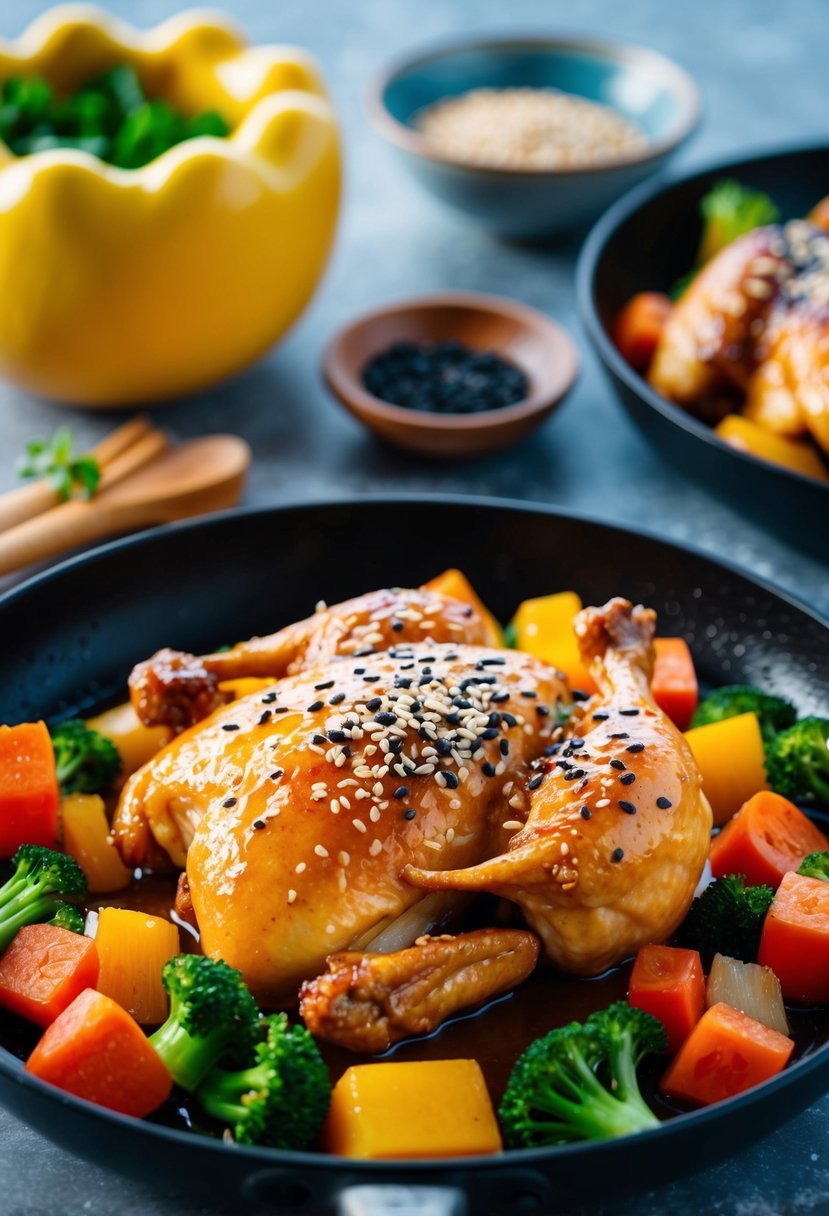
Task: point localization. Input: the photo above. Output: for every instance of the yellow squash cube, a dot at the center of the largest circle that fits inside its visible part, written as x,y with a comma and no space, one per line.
731,759
544,628
135,742
132,949
425,1108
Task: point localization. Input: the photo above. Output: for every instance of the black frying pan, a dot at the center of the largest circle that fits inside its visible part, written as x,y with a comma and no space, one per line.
646,242
73,633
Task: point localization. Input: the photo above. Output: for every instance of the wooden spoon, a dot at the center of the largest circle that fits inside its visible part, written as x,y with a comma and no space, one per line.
198,476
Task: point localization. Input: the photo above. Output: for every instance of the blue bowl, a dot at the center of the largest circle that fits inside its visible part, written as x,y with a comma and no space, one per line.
642,85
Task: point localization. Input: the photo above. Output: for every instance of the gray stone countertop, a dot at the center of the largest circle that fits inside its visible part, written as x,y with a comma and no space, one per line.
761,66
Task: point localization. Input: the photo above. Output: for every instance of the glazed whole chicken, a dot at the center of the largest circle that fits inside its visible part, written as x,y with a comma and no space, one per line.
396,763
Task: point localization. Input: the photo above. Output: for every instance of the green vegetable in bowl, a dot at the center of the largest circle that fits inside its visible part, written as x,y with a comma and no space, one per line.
816,865
212,1017
727,918
579,1082
67,916
729,210
773,713
55,460
86,761
29,897
109,117
282,1099
797,762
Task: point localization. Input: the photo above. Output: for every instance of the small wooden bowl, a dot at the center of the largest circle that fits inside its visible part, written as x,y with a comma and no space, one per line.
541,348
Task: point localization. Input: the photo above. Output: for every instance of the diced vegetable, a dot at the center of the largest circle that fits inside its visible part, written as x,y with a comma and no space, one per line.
795,941
95,1050
426,1108
739,432
727,918
639,327
752,989
767,838
87,838
544,628
726,1053
669,983
32,894
816,865
133,948
773,713
136,743
731,759
44,969
730,210
86,761
798,762
29,792
819,215
455,584
674,682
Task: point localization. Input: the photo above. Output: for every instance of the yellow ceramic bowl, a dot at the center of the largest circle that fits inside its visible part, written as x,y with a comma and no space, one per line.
126,286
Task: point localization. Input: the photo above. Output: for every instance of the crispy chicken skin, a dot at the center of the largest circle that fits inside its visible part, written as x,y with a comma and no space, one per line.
367,1002
618,830
176,689
755,319
296,809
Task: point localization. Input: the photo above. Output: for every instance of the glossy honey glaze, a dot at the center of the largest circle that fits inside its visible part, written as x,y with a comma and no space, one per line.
494,1035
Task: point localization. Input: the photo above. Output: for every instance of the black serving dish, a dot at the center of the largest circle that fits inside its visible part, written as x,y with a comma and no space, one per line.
76,630
646,242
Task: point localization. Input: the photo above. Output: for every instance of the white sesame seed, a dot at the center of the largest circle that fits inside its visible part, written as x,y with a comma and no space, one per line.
359,825
320,850
340,760
603,802
374,814
291,896
329,929
300,867
450,835
345,803
516,801
512,825
361,794
334,805
564,848
319,785
431,844
375,847
377,789
455,804
343,858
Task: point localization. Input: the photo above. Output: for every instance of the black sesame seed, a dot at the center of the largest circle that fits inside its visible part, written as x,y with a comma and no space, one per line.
585,812
396,746
406,666
385,717
619,734
617,764
258,824
535,782
315,706
498,697
664,804
264,717
461,703
269,698
319,740
374,704
398,626
578,694
628,713
628,778
467,612
495,662
358,671
370,678
229,802
363,652
230,726
491,732
402,681
453,719
452,780
324,684
528,692
410,813
575,774
504,747
427,658
509,720
627,807
443,747
635,747
402,791
337,736
543,711
600,716
415,707
276,774
617,854
281,709
488,769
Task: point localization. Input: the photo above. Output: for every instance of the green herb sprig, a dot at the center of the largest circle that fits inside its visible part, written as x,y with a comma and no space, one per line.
55,460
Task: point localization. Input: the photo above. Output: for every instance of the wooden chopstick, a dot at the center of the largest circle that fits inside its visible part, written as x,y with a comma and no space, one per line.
27,501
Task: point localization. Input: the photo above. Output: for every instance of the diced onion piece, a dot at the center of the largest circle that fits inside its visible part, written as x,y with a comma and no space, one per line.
752,989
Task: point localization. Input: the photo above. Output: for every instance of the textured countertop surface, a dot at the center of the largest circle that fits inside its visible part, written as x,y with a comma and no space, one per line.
761,66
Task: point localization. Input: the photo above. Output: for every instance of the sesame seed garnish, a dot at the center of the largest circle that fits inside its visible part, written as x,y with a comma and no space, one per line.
276,774
535,782
603,802
375,847
359,825
230,726
337,698
627,807
617,764
664,803
628,778
229,802
269,698
635,747
409,813
431,844
564,848
343,858
334,806
315,706
450,835
320,850
628,713
600,716
617,854
512,825
264,717
585,812
300,867
291,896
324,684
488,769
258,824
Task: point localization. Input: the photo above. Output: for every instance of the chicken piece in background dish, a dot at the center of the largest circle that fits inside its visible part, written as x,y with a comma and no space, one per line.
296,809
618,830
176,689
367,1002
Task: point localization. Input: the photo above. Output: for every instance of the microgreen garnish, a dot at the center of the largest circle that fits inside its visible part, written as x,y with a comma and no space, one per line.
70,475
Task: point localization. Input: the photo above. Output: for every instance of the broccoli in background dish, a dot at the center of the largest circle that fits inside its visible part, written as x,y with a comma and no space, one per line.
797,762
816,865
773,713
282,1099
86,761
727,918
579,1082
212,1017
29,895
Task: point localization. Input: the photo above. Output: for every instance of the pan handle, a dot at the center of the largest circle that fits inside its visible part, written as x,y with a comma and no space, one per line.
383,1200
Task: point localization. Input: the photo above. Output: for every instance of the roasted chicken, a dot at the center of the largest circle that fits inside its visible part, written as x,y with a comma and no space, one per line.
618,829
296,808
755,321
367,1002
177,689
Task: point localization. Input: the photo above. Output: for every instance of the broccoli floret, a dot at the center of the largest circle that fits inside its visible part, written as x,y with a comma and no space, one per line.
282,1099
797,762
727,918
579,1082
212,1017
730,210
30,894
86,761
816,865
774,713
67,917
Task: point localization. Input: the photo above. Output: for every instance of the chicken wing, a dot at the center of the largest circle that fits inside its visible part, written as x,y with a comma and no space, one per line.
295,809
176,689
366,1002
618,830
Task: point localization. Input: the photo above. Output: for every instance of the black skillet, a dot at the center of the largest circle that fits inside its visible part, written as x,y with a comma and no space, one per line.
73,633
646,242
